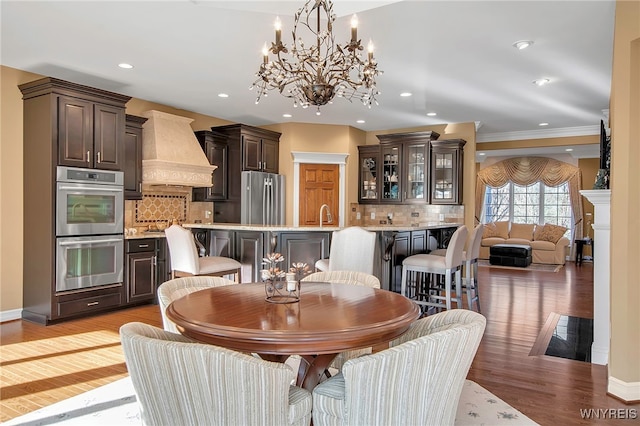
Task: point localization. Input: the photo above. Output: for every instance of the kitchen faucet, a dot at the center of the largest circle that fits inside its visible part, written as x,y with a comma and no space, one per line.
329,219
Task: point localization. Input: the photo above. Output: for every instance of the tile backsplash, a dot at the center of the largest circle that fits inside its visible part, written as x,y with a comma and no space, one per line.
403,215
166,204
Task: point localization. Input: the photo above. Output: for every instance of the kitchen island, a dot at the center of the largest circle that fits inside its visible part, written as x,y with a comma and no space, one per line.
250,243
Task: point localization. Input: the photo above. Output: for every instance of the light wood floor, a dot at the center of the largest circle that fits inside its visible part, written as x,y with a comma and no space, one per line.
42,365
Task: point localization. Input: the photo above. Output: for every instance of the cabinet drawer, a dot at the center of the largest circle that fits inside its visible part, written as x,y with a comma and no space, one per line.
89,304
141,245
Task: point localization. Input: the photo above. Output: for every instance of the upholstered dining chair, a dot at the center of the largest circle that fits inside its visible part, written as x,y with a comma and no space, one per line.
352,249
352,278
344,277
178,287
449,266
470,261
185,261
417,381
181,382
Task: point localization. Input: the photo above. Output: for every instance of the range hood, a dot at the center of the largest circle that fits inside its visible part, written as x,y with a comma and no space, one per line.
171,154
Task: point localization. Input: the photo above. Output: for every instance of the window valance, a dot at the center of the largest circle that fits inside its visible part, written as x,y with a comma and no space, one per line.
528,170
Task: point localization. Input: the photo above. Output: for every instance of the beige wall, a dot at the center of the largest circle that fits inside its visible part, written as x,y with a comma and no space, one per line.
11,212
319,138
624,358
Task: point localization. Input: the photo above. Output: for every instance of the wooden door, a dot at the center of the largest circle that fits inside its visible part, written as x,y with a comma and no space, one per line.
319,184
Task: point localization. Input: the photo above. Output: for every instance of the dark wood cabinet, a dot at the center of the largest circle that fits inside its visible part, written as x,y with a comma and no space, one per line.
248,149
446,171
221,243
306,247
141,276
405,244
90,134
250,250
216,149
133,157
63,121
163,266
400,169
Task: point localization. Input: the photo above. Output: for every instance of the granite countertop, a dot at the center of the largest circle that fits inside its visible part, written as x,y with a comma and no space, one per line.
241,227
149,234
278,228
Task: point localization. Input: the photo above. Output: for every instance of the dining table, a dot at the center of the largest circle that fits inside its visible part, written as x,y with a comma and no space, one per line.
329,318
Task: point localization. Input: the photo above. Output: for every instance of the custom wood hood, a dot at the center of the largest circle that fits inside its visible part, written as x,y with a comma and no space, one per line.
171,154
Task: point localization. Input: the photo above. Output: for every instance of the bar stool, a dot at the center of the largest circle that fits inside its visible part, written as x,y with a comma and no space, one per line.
185,261
470,259
448,266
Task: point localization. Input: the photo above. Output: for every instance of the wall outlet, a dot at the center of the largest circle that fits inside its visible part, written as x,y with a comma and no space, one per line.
373,215
441,217
358,216
389,216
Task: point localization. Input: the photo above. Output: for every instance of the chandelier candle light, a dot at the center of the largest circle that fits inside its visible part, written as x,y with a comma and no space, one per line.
314,75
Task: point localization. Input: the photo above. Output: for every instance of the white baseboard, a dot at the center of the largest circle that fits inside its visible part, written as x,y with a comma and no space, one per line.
11,315
626,391
599,354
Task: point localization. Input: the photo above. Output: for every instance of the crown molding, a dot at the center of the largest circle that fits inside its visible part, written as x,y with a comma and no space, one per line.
539,134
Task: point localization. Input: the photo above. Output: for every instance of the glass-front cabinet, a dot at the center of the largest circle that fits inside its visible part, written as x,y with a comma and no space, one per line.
446,171
392,173
368,180
398,170
416,172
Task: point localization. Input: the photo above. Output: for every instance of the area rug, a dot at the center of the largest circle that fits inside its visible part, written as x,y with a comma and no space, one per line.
533,267
115,404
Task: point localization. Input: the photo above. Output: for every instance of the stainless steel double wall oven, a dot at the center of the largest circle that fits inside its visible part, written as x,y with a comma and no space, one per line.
89,228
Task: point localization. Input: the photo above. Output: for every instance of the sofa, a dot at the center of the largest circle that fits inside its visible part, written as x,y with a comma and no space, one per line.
548,243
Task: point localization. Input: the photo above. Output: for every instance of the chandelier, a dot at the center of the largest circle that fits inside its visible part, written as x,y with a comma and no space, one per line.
314,74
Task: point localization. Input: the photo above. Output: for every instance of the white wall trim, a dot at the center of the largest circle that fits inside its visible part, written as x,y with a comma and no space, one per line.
624,390
538,134
11,315
319,158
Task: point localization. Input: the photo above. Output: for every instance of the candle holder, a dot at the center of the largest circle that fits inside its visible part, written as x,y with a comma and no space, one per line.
276,289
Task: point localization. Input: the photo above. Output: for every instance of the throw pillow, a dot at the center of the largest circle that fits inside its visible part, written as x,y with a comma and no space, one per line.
523,231
489,230
549,232
503,229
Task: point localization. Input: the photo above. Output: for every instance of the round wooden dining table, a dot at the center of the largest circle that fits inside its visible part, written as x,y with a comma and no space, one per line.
328,319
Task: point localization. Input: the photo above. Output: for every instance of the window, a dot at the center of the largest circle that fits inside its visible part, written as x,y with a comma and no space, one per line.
535,203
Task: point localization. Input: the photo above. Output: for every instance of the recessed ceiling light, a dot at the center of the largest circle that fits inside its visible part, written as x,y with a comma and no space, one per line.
522,44
287,115
543,124
481,153
569,149
431,114
360,121
541,81
405,94
223,95
125,66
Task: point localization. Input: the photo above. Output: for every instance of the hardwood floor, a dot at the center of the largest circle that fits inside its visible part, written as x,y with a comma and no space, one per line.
42,365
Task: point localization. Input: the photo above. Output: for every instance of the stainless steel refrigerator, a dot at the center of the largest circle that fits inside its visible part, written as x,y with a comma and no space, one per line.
262,201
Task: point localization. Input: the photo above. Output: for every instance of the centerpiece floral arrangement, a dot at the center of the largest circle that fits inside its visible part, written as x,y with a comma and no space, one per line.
281,286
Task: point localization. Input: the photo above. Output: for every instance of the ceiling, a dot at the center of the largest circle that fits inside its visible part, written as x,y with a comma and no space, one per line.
455,57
